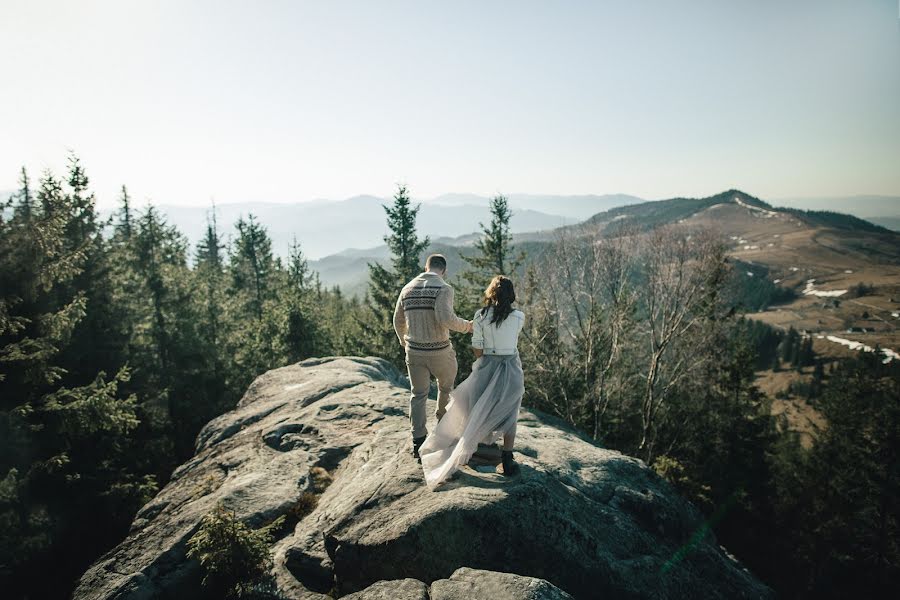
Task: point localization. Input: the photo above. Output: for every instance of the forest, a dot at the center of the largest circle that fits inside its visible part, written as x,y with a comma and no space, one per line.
118,342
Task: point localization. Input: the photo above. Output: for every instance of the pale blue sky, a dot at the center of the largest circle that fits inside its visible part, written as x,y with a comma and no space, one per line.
185,100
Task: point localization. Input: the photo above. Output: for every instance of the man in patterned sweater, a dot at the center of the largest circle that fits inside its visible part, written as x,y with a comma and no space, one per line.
423,317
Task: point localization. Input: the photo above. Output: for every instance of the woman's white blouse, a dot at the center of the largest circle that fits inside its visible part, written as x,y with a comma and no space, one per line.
493,339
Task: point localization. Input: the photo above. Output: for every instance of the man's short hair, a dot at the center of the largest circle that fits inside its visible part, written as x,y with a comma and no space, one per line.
436,261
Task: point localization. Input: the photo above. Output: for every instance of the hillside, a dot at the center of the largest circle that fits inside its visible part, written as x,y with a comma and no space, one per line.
605,525
833,277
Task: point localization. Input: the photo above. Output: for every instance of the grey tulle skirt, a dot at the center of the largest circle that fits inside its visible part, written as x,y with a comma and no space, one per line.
480,410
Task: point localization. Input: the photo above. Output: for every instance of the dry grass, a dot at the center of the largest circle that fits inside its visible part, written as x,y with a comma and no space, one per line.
800,416
304,505
321,479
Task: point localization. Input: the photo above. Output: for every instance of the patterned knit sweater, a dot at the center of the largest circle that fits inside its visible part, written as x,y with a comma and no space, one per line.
424,315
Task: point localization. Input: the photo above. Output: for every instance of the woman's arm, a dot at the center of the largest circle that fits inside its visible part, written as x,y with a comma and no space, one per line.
477,336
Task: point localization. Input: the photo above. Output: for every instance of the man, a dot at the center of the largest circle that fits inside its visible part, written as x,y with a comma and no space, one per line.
423,317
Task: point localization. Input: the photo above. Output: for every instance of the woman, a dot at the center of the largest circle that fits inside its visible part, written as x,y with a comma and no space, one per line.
485,406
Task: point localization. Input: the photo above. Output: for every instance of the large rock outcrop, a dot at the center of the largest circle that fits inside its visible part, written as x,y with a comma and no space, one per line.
590,521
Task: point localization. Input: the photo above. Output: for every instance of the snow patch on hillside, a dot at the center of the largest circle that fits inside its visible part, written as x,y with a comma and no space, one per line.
762,211
810,290
889,354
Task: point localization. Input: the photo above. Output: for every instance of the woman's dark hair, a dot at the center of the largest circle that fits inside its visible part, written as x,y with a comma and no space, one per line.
499,294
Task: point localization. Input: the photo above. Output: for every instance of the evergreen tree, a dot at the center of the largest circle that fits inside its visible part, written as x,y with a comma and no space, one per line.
124,227
25,205
790,347
723,440
210,249
252,265
385,284
255,343
99,340
164,347
209,278
837,502
494,255
65,474
303,334
403,242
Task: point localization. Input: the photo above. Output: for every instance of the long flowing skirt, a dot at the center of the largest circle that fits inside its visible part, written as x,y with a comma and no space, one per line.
481,409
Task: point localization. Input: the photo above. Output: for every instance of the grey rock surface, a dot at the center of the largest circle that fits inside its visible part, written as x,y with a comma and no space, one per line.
398,589
464,584
472,584
590,521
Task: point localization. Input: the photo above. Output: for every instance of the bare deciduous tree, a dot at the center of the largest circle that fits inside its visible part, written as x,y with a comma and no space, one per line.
684,271
585,289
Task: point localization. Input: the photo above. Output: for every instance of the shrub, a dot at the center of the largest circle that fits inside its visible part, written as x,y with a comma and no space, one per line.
675,473
321,479
304,505
235,558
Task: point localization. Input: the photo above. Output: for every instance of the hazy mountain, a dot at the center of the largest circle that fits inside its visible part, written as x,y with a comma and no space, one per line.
660,212
575,207
327,227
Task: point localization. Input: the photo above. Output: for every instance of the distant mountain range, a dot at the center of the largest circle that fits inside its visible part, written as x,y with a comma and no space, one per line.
573,207
734,212
325,227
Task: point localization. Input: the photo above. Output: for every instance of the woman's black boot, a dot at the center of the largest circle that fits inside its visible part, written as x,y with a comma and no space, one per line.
416,443
510,466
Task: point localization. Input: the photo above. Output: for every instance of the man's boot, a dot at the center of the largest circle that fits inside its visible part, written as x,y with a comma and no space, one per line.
416,443
510,466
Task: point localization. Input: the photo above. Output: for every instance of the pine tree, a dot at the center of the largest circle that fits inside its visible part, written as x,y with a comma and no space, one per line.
403,242
255,341
494,253
209,252
65,474
299,273
303,334
24,208
838,500
164,348
385,284
124,226
252,264
209,277
99,340
790,347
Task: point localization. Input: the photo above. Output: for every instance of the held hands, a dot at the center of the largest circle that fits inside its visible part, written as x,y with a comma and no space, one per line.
470,327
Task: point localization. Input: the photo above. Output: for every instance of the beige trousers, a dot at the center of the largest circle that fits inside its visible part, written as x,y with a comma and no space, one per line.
421,367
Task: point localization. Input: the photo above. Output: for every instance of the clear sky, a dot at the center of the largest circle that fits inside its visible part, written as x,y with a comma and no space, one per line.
189,100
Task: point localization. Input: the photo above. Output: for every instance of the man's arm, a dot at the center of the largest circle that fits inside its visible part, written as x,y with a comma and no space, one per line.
400,321
443,312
